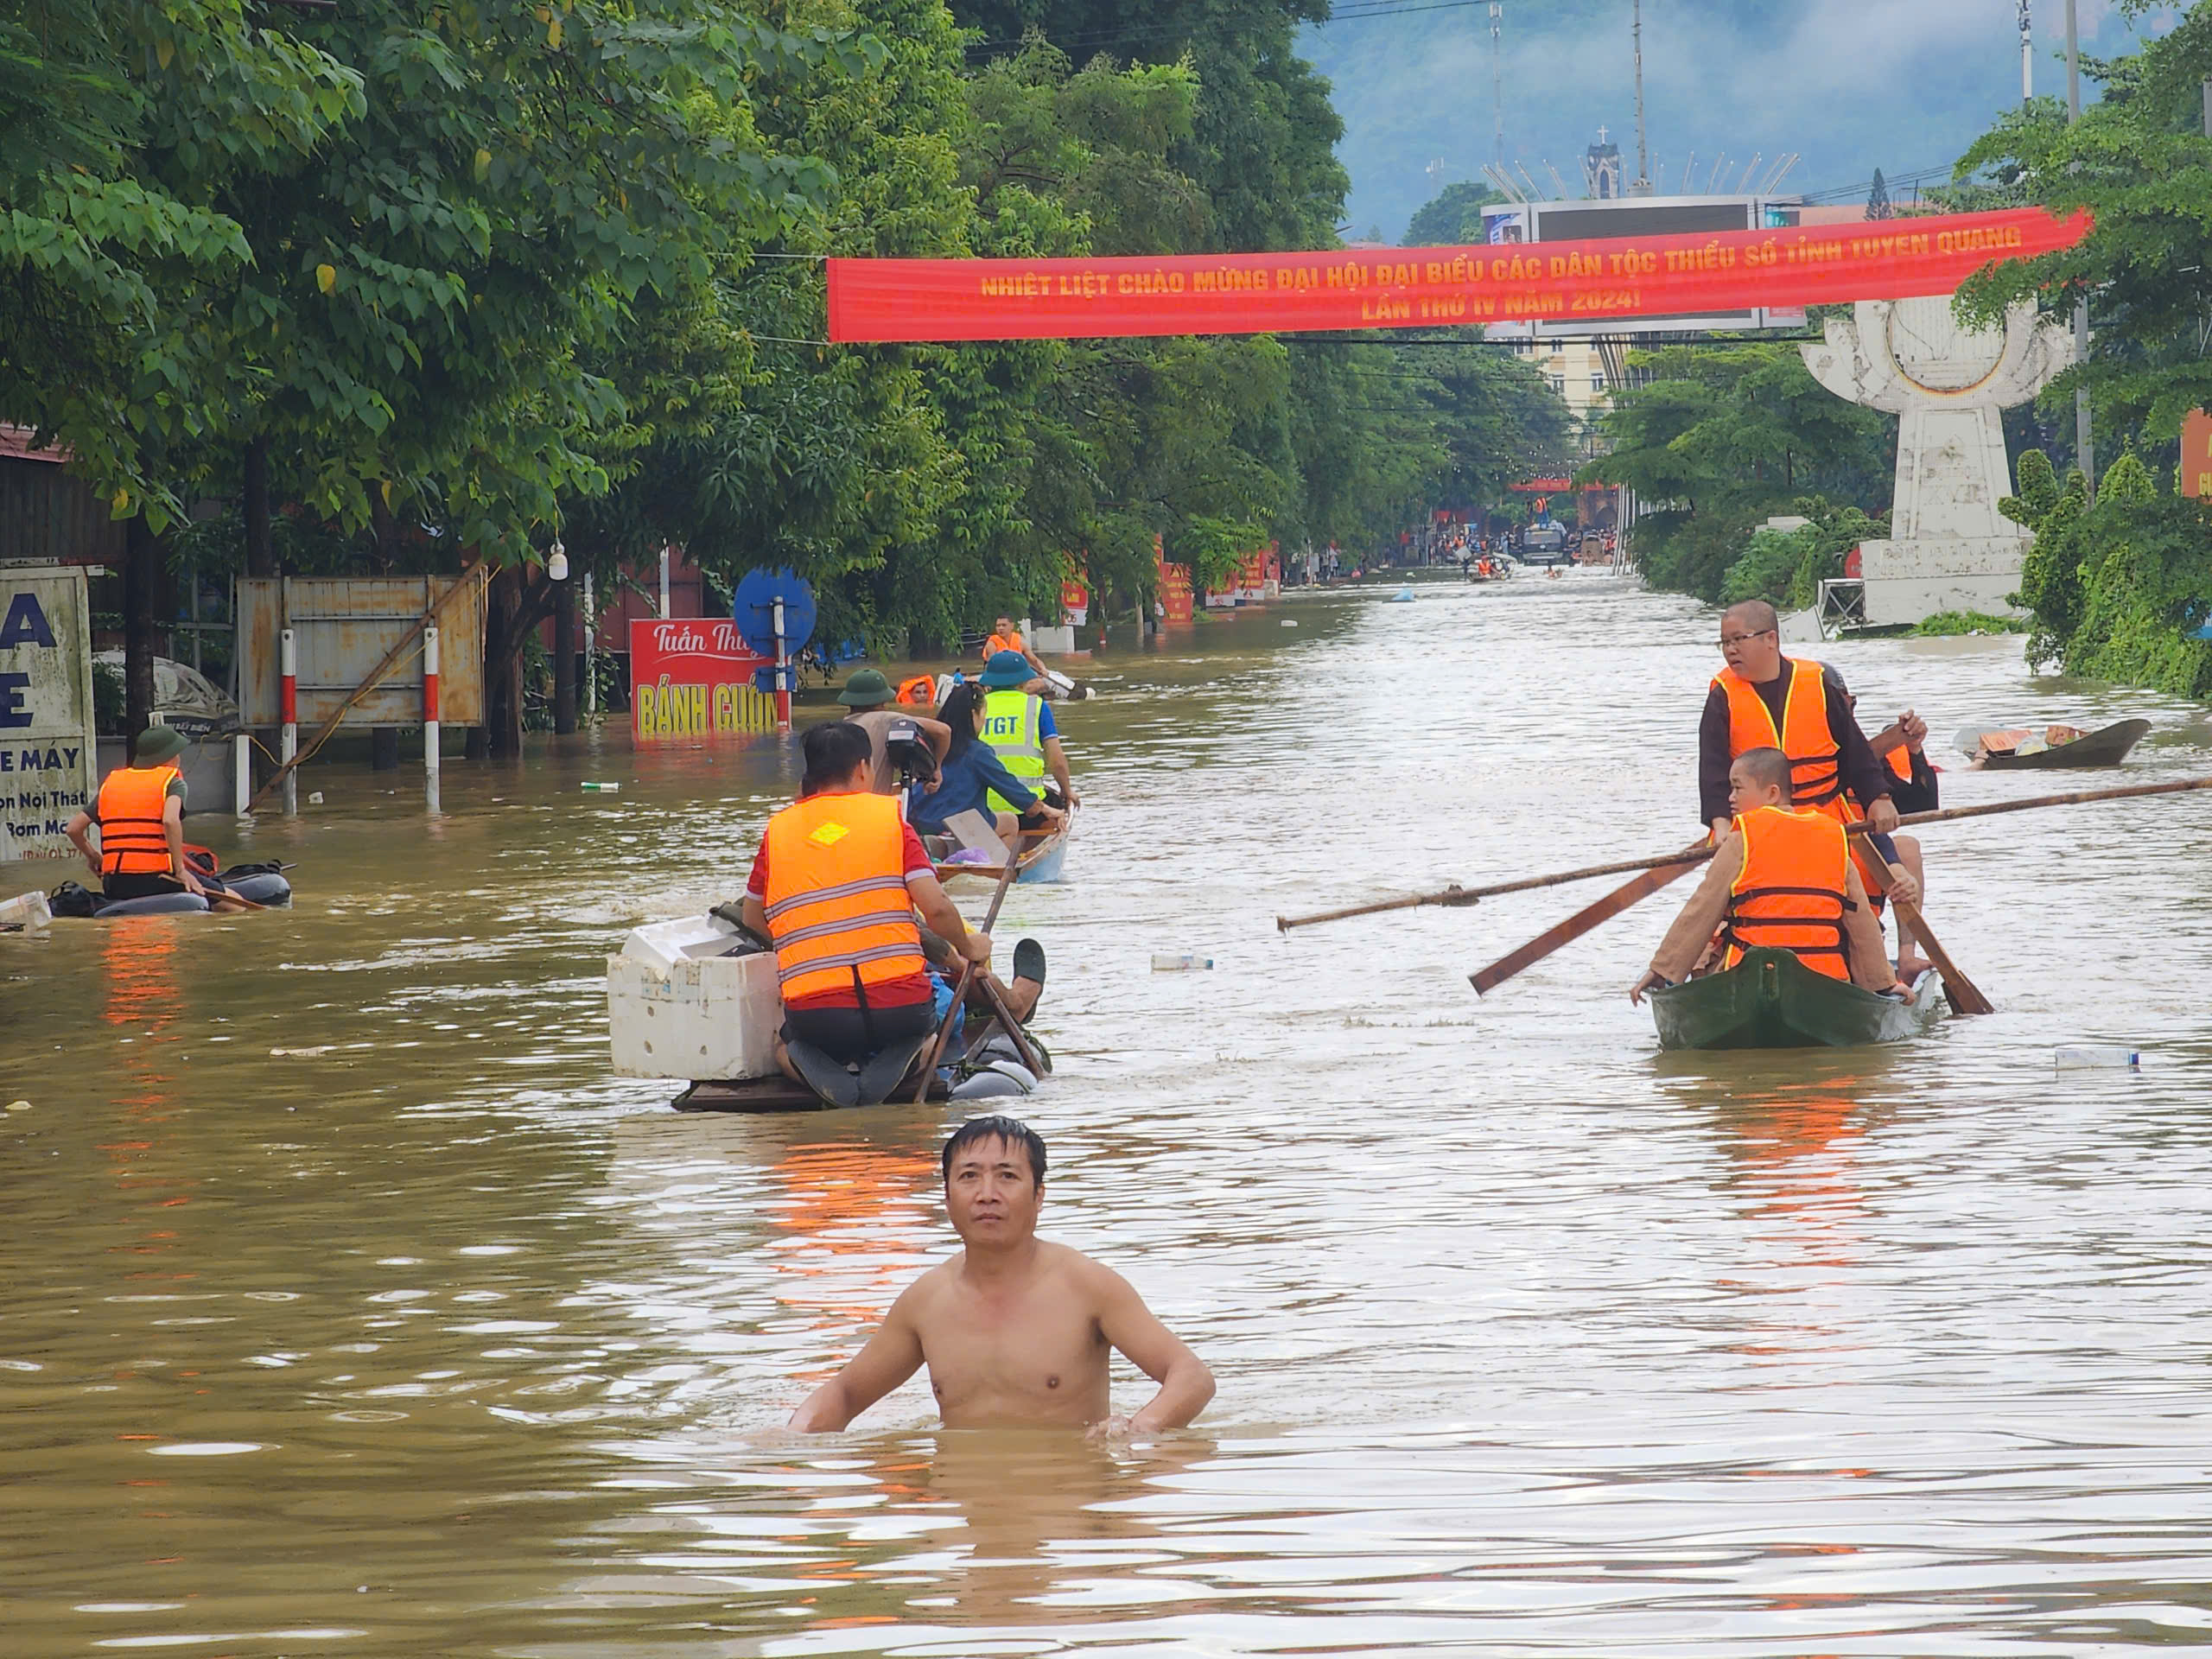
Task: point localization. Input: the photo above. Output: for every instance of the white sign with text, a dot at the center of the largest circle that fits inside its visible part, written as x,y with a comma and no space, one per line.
46,756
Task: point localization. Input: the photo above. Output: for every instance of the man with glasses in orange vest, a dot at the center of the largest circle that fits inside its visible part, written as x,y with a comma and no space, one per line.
1782,877
140,814
835,888
1762,699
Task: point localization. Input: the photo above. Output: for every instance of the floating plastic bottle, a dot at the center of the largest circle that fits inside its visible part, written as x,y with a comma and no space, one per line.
602,789
2096,1056
1165,965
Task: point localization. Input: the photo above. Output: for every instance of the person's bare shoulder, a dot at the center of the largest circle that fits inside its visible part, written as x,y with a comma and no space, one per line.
1091,1279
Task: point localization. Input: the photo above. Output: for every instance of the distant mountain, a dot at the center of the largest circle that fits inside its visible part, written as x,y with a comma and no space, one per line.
1902,85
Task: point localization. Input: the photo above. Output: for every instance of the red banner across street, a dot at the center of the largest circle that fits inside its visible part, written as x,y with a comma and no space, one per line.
1579,283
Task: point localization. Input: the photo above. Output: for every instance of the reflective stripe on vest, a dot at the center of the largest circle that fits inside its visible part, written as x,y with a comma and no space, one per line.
837,904
1013,725
1794,889
1815,762
133,839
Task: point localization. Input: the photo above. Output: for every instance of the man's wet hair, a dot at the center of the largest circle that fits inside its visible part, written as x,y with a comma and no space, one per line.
1011,1130
1770,769
832,750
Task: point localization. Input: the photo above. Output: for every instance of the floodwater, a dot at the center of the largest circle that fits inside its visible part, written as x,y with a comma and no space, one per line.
353,1308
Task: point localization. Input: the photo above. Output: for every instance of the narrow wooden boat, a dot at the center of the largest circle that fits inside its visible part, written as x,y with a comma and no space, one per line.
2108,748
1773,1001
1043,857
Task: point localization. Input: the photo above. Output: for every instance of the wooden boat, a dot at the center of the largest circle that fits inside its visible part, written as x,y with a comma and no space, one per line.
1773,1001
2108,748
1044,856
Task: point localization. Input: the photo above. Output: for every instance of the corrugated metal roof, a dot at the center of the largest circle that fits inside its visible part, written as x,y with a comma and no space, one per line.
15,445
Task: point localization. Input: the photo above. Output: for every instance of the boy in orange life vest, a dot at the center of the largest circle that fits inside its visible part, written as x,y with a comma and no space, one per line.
140,812
1780,877
835,886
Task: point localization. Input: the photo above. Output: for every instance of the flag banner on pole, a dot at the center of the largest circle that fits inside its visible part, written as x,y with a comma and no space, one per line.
1574,284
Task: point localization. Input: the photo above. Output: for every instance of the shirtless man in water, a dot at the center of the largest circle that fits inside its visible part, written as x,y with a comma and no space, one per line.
1016,1331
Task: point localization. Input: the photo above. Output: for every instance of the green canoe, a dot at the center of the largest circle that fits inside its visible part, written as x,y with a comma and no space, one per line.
1773,1001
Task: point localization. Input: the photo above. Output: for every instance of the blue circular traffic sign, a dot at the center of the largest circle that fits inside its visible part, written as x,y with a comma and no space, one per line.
754,610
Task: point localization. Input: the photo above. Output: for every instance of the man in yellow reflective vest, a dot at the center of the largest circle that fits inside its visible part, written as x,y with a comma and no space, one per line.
140,814
1020,726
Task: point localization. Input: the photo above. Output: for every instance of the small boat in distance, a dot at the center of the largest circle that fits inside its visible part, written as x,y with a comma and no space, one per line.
1771,999
2055,748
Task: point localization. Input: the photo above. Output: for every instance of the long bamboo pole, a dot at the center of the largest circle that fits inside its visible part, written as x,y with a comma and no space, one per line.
1456,896
935,1049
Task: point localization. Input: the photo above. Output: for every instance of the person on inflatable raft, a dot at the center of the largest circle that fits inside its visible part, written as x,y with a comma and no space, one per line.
140,814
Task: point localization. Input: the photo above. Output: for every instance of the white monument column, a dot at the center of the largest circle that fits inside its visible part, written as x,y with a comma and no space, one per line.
1950,548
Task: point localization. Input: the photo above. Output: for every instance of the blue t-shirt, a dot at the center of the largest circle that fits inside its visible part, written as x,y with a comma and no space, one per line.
964,783
1046,726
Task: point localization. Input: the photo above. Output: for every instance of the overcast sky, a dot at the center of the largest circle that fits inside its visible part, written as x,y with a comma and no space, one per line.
1902,85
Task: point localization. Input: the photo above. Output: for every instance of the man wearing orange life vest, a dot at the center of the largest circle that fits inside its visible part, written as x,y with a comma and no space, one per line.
140,812
1782,877
1007,637
835,886
1763,699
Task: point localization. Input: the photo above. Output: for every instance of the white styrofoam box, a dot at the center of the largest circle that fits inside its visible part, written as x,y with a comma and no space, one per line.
687,938
29,910
701,1017
1053,642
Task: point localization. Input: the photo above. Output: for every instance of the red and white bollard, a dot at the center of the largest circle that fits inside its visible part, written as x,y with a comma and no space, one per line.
430,717
288,710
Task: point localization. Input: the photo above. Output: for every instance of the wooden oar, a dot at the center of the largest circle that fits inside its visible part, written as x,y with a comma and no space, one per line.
1457,895
960,991
1606,909
1963,994
1583,920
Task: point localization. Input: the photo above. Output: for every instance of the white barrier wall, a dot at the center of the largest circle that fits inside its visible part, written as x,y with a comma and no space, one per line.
45,708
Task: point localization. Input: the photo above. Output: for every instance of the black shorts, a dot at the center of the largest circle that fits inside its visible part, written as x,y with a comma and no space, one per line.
149,884
851,1035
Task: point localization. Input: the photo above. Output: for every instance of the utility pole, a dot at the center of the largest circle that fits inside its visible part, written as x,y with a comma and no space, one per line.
1498,73
1643,145
2084,442
2027,51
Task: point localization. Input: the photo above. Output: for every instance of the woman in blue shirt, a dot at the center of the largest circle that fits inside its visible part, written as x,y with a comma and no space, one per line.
971,771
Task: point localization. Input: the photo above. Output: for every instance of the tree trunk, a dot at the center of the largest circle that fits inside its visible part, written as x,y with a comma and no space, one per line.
260,551
142,570
383,532
503,666
564,655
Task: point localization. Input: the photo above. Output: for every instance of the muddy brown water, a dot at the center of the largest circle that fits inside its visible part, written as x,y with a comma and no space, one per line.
352,1307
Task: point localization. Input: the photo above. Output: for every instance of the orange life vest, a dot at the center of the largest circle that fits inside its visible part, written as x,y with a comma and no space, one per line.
1794,889
1816,761
999,642
838,910
133,841
919,692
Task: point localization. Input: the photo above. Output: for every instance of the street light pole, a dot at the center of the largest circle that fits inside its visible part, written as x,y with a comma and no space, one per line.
1642,147
2084,443
2027,51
